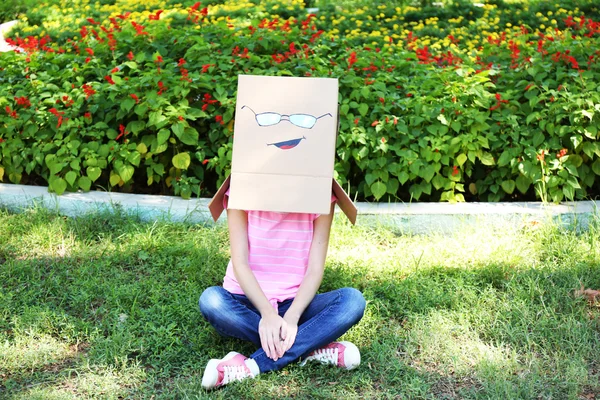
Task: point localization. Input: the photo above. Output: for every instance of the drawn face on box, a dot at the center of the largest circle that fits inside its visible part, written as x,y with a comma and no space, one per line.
285,126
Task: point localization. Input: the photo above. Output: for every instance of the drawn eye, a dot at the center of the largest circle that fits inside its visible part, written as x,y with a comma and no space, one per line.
267,119
303,120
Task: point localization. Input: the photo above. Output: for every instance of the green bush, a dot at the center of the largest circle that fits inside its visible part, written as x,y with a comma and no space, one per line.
149,107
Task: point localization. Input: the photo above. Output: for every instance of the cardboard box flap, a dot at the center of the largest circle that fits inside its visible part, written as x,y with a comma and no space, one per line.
216,204
343,200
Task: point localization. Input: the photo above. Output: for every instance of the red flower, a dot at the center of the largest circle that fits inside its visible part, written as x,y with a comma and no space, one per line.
159,59
219,119
130,56
455,170
181,62
91,21
409,94
351,59
195,6
156,16
58,114
180,118
88,90
205,161
11,113
123,132
383,140
541,155
528,86
161,88
134,96
89,51
356,121
139,29
382,100
114,70
109,79
87,115
205,67
88,59
395,121
375,123
23,101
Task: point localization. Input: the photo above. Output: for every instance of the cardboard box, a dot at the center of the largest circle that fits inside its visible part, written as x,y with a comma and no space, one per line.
284,147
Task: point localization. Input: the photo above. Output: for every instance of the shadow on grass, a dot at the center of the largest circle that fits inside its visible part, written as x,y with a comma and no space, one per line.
129,291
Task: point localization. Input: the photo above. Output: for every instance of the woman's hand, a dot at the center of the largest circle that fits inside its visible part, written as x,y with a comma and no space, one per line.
289,330
269,329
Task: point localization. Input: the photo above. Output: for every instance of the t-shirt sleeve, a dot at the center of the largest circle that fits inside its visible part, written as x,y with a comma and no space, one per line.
226,199
333,200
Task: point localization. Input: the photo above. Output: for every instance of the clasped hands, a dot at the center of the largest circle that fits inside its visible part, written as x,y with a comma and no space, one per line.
277,334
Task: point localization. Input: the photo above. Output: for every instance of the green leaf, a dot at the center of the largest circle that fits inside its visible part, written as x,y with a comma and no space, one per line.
127,104
370,178
403,177
362,109
569,192
438,181
508,186
461,159
181,160
58,185
177,129
344,109
456,126
596,166
378,189
126,172
84,183
189,136
136,126
156,119
505,158
487,159
162,136
428,172
114,178
392,186
538,139
523,183
93,173
70,177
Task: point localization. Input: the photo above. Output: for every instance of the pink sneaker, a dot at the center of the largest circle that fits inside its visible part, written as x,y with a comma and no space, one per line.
341,354
232,367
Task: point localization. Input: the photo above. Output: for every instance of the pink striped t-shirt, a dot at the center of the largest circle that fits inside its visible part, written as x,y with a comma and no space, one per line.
278,248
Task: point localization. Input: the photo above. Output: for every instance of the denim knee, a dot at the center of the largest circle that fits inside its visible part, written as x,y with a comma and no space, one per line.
211,301
354,303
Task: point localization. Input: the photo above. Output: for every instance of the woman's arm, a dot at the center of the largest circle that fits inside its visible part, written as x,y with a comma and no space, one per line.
270,324
312,280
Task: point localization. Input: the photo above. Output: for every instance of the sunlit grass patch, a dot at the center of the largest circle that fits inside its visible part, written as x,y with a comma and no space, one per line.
479,313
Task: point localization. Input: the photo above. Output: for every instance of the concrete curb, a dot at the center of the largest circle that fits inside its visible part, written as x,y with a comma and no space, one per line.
413,218
5,27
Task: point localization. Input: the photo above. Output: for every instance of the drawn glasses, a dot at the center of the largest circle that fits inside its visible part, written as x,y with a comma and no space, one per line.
305,121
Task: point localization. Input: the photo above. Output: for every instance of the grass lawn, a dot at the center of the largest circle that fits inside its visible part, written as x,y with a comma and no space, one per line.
105,306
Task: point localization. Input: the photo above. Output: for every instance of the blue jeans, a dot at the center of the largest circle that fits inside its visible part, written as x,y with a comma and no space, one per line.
327,317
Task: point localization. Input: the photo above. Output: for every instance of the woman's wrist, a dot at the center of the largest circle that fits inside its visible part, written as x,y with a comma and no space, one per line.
291,317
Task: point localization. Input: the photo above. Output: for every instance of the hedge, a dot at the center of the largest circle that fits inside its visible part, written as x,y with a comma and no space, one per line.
145,102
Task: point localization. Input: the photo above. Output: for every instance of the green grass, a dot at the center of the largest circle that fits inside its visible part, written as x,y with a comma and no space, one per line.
104,306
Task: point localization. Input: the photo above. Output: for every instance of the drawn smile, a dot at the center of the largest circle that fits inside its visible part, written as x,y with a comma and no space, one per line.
288,144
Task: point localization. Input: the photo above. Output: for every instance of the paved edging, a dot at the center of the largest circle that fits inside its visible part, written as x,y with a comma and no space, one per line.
413,218
5,27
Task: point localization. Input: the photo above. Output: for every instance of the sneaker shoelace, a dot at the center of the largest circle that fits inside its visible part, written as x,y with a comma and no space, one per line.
329,355
234,373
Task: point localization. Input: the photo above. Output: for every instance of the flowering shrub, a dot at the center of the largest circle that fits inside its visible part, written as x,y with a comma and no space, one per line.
144,100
